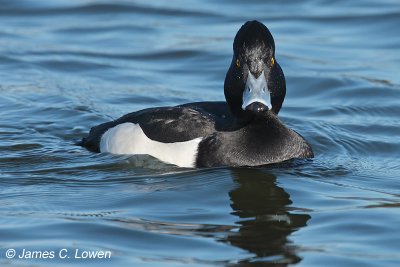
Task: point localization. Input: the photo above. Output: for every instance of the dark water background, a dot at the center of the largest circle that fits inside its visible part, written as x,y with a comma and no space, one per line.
68,65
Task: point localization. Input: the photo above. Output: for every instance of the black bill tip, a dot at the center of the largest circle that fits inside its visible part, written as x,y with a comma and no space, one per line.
257,107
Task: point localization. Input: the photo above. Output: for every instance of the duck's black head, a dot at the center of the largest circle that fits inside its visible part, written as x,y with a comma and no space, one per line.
254,83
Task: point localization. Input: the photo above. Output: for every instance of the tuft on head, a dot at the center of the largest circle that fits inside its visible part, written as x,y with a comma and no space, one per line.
253,36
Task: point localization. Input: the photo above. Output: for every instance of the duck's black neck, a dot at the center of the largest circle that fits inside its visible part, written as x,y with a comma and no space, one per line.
259,119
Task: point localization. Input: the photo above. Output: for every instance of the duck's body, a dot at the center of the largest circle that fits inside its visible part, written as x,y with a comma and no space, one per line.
244,131
206,133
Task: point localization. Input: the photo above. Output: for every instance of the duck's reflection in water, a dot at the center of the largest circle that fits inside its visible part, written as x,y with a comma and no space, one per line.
265,218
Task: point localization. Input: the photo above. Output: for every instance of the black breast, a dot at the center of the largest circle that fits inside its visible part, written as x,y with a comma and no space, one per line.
263,141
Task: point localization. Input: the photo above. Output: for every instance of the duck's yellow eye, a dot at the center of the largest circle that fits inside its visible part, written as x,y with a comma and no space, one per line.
238,63
272,61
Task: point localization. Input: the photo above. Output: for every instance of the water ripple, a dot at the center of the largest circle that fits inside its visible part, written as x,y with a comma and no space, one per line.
104,8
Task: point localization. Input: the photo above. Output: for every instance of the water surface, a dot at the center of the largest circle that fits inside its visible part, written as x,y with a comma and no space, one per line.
66,66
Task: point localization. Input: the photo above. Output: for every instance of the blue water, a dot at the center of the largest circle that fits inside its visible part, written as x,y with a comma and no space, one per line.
68,65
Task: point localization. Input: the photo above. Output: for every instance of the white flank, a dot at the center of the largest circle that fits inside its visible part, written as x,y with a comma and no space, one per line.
129,138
